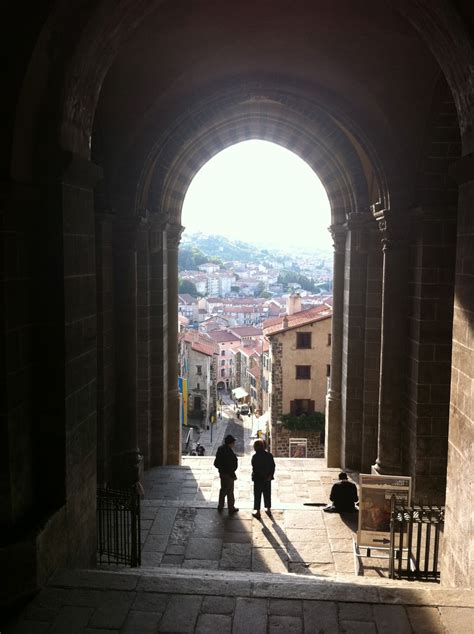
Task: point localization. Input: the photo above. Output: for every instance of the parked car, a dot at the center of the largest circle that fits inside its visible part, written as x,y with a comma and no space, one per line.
244,409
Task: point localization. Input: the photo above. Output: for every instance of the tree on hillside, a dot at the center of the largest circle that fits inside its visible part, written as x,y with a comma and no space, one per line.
187,287
190,258
291,277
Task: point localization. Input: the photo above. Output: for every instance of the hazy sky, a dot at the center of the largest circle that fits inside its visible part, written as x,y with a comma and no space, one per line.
260,192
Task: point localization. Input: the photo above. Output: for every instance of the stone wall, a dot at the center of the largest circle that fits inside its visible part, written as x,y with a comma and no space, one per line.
280,441
458,558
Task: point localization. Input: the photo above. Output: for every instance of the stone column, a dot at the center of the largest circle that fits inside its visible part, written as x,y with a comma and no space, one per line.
126,453
333,398
173,235
393,342
353,342
104,233
373,308
158,343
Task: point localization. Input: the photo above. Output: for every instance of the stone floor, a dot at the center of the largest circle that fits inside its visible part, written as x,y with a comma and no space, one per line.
182,528
208,572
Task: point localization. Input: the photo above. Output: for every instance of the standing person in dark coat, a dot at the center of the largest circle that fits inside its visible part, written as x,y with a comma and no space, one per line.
263,470
226,462
343,496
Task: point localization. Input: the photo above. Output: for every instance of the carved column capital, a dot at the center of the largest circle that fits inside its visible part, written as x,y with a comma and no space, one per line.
155,224
360,224
173,234
338,233
393,230
357,220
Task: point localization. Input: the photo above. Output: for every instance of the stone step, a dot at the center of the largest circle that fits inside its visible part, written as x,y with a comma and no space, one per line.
265,585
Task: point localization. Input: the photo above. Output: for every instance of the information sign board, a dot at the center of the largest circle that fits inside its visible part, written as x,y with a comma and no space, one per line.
375,495
298,447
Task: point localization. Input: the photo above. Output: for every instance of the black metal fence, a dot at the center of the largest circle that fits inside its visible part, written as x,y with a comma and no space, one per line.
118,526
415,540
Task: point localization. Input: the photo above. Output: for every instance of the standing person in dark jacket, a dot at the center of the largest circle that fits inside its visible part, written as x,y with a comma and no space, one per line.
263,470
226,462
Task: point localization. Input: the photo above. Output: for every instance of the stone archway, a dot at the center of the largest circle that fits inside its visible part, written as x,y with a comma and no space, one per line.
353,184
53,179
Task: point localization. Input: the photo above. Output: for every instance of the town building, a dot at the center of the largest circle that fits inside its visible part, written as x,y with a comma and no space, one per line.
198,366
227,343
188,306
300,358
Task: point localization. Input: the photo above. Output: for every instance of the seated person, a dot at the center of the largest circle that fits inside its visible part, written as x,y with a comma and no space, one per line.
343,496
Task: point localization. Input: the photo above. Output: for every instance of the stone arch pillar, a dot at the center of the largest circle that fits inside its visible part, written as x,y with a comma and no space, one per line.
353,346
173,238
373,307
158,341
126,454
393,341
333,435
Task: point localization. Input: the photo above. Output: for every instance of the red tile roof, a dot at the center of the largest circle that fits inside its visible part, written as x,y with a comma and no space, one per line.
246,331
186,298
203,348
288,322
220,336
255,371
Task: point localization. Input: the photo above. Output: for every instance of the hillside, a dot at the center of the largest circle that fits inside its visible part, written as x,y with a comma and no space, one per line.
222,248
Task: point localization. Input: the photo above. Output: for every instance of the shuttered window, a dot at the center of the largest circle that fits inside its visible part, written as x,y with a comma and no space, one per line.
303,372
301,406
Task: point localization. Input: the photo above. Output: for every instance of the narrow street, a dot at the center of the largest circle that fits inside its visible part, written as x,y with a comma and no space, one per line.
228,424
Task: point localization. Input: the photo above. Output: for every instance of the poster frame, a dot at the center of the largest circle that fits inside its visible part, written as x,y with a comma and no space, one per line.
379,490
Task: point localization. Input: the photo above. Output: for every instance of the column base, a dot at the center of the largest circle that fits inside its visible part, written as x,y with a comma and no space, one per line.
385,469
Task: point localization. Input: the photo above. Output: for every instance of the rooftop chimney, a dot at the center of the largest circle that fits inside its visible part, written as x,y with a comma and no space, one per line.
293,304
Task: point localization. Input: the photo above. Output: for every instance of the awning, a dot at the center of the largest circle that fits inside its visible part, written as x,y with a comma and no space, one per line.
260,423
239,393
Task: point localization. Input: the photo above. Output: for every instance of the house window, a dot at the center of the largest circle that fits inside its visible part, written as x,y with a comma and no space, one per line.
199,369
303,371
222,353
328,370
222,362
329,338
303,340
198,386
222,372
301,406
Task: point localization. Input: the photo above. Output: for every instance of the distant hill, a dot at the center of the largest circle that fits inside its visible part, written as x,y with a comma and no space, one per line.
197,248
222,248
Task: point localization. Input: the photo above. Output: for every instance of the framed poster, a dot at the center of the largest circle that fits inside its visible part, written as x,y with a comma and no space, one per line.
298,447
375,495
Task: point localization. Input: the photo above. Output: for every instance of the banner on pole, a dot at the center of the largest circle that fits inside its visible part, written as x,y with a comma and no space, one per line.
183,391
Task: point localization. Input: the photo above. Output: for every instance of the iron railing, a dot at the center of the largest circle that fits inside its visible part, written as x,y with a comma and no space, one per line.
416,532
118,526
